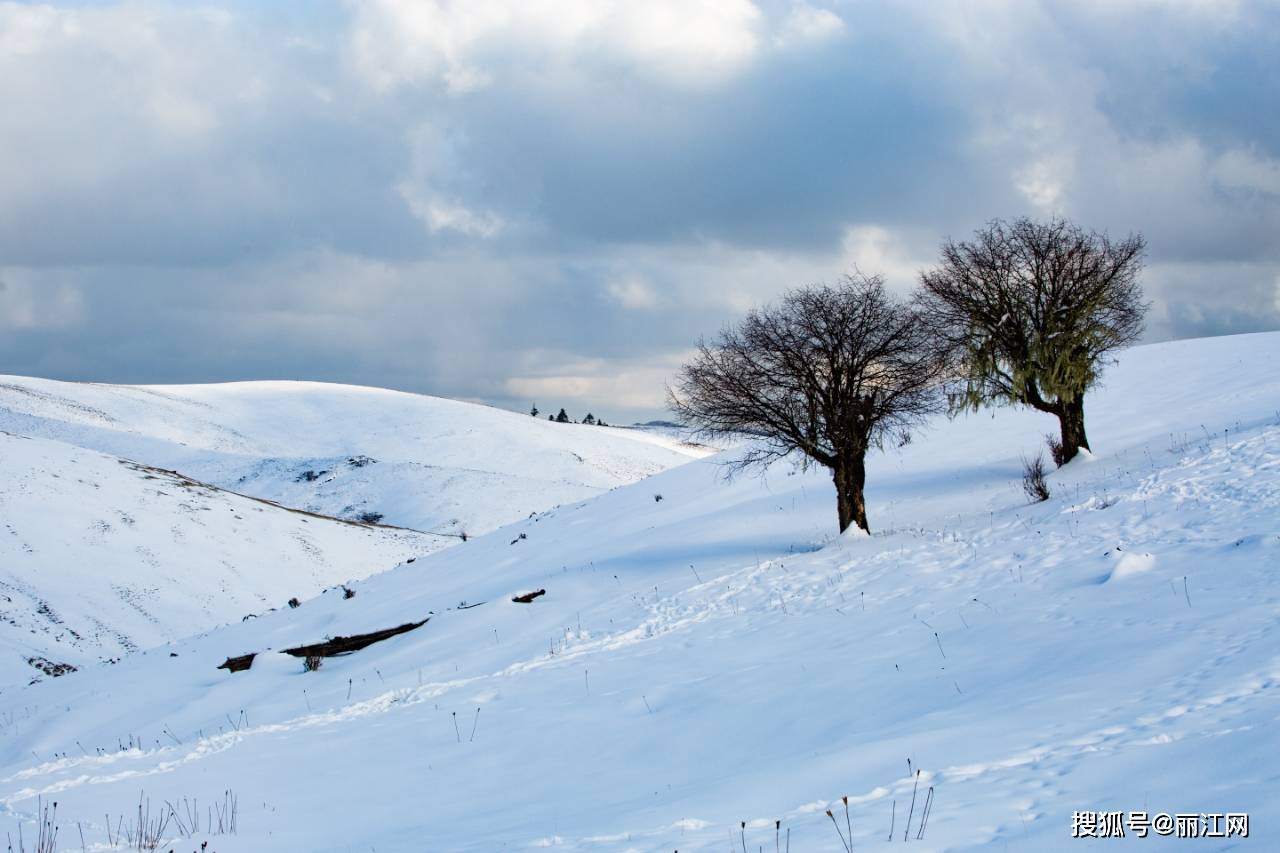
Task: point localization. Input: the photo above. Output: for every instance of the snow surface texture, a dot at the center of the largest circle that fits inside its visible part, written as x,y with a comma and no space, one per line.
720,656
134,556
410,460
100,557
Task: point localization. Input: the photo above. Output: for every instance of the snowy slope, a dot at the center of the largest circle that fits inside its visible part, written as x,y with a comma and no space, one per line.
421,462
100,557
720,657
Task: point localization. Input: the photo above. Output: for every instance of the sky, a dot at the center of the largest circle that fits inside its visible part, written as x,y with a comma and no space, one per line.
549,202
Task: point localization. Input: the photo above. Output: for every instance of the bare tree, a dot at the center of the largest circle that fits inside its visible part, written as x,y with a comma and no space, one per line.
830,372
1029,310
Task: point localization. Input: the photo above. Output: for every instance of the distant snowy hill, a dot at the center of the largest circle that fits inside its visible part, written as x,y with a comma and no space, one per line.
411,460
100,557
706,664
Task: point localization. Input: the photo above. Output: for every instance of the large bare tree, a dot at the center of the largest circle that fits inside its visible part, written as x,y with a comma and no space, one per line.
830,372
1029,310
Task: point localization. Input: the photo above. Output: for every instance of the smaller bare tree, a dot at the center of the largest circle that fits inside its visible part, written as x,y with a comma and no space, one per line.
830,372
1030,309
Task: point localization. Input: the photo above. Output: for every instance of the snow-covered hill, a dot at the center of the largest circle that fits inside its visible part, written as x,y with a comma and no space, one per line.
415,461
706,664
100,556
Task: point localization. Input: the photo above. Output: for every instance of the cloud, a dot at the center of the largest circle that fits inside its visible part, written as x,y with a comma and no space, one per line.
26,305
805,23
461,47
488,199
437,182
1199,299
1246,171
155,133
568,380
632,292
439,213
899,256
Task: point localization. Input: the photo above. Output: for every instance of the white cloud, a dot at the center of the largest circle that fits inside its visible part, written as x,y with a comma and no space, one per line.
1043,181
876,250
435,188
633,292
179,114
188,148
1040,148
440,213
462,46
564,379
805,23
1246,170
93,93
1214,11
27,304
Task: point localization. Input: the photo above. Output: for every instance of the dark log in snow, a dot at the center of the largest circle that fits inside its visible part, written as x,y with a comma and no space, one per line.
328,648
528,596
238,664
354,643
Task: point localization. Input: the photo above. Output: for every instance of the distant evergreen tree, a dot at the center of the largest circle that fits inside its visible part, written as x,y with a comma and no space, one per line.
562,418
533,413
589,419
552,417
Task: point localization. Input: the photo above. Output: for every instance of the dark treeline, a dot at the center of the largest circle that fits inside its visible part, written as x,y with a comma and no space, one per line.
562,417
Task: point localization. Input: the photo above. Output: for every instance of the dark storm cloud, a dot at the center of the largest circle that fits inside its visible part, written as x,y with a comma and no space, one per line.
1219,82
496,201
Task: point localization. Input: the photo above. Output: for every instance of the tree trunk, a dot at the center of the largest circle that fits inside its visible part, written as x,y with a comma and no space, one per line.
1071,418
850,475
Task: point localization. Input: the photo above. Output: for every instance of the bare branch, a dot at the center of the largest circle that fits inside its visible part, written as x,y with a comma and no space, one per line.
827,371
1028,312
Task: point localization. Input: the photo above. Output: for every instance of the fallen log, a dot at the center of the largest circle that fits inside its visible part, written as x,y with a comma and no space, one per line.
238,664
528,596
354,643
328,648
